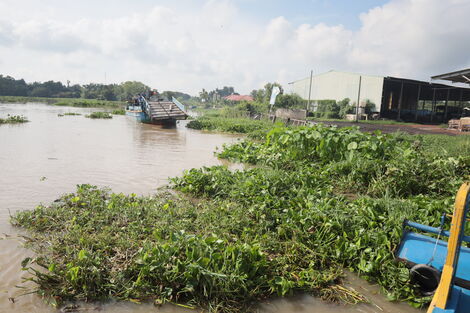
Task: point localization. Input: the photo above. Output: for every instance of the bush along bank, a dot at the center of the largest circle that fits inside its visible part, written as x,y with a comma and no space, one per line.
319,200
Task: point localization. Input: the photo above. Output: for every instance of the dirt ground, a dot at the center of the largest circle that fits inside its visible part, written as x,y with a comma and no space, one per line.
409,128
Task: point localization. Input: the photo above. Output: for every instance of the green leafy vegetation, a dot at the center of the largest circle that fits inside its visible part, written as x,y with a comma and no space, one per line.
119,112
13,119
96,115
332,110
442,144
320,199
17,90
88,103
254,128
85,103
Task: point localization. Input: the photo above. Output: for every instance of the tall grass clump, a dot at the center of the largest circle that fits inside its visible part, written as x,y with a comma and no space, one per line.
319,200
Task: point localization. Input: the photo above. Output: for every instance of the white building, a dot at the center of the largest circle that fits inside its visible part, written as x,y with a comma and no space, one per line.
334,85
395,98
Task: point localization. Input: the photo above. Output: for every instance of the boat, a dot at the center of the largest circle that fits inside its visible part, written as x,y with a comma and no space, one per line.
155,110
440,268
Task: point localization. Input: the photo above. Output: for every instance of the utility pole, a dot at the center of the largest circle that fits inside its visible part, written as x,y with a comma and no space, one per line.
358,98
310,90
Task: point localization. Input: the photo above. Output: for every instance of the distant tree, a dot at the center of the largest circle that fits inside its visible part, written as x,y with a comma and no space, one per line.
131,88
47,89
263,95
91,91
204,95
216,95
182,95
268,88
345,107
108,92
258,95
290,101
225,91
12,87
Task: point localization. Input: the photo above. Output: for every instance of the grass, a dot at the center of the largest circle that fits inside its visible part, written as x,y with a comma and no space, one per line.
99,115
454,146
253,128
74,102
373,122
320,199
13,119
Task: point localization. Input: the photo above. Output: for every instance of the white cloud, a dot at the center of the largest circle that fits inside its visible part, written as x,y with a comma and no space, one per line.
216,45
414,38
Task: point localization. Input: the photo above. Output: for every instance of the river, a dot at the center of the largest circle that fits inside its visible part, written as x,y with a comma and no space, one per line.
48,156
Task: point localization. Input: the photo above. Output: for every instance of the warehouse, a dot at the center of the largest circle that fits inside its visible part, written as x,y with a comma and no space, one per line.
394,98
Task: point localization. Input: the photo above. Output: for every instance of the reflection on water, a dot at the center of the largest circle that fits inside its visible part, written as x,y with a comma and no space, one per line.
47,157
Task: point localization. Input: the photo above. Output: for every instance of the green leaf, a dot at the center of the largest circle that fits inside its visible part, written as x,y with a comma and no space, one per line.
352,145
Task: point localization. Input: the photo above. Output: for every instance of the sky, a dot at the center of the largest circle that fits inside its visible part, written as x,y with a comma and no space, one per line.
189,45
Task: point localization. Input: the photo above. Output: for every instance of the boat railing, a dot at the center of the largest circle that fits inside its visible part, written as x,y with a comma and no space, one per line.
145,105
433,230
178,104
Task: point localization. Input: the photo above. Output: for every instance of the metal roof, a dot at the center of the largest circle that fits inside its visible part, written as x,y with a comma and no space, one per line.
238,98
462,76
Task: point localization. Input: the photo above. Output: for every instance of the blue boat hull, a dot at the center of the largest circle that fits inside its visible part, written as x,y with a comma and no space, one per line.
138,115
441,268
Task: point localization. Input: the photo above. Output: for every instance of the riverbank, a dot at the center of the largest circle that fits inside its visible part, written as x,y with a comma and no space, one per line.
73,102
252,128
431,137
319,199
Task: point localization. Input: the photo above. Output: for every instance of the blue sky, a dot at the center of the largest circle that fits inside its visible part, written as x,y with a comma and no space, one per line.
331,12
189,45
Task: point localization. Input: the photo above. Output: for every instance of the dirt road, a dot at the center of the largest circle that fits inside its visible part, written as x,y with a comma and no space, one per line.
409,128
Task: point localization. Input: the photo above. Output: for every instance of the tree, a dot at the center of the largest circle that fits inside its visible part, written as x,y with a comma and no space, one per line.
225,91
129,89
263,95
204,95
258,95
345,108
290,101
11,87
268,88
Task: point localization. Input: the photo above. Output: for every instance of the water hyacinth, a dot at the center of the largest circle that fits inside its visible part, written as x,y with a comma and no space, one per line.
97,115
319,200
13,119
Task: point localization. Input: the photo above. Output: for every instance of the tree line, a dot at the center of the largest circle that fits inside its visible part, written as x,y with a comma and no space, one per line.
10,86
260,96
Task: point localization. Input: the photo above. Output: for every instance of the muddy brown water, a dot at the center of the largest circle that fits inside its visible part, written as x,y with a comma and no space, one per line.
48,156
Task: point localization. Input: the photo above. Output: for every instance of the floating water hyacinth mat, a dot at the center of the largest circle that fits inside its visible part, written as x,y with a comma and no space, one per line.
318,201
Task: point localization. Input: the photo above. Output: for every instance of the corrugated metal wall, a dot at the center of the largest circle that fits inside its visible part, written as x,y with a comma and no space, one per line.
339,85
